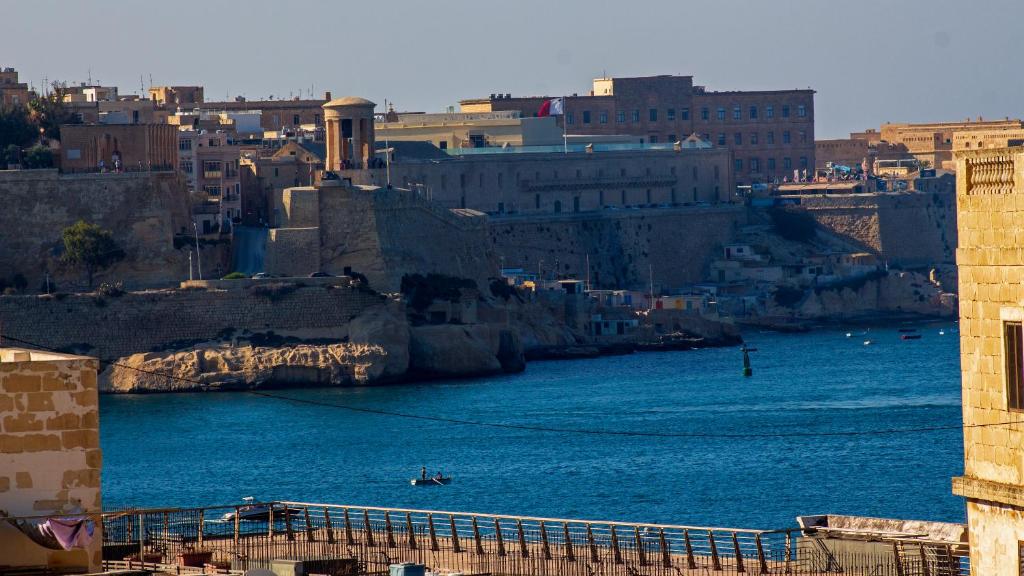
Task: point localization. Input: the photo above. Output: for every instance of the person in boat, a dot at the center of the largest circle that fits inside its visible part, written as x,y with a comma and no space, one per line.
439,476
423,473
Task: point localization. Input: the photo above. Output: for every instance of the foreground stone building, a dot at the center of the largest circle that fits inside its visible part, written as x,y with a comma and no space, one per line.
990,199
50,457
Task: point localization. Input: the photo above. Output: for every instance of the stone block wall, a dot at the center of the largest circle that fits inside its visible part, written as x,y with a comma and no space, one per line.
142,210
159,319
50,457
990,204
906,230
292,251
623,247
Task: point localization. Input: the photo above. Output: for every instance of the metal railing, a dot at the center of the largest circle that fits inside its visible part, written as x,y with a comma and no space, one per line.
469,543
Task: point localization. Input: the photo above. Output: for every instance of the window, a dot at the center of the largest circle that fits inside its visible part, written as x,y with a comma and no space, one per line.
1013,350
212,190
671,138
801,111
186,166
771,164
705,113
755,165
569,118
653,139
603,118
803,137
738,165
737,112
623,197
648,195
785,137
787,163
501,207
753,112
443,145
737,138
721,113
769,111
586,116
785,110
753,138
296,120
670,114
770,137
803,161
184,144
653,114
721,138
620,116
636,115
576,204
558,206
684,113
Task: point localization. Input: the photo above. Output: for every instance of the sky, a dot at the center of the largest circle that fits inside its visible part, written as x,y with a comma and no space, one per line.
870,61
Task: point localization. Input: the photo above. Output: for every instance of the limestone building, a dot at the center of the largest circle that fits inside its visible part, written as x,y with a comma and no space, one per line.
530,180
769,133
990,201
131,147
12,92
50,457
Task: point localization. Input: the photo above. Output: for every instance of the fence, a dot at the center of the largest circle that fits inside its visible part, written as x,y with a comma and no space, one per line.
243,538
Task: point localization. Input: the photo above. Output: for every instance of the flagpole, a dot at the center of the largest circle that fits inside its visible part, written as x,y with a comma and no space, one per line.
387,146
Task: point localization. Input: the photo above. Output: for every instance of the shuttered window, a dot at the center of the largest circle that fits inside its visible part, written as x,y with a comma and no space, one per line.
1013,350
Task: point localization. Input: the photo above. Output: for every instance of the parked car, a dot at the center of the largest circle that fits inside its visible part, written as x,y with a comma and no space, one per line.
320,275
260,276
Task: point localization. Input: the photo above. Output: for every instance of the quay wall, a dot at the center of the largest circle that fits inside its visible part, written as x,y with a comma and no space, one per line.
143,211
907,230
624,246
112,327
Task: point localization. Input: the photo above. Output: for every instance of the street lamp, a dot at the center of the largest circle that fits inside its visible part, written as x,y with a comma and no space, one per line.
199,262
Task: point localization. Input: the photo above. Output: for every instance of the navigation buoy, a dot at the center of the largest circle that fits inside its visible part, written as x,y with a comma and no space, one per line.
747,370
942,332
867,342
848,334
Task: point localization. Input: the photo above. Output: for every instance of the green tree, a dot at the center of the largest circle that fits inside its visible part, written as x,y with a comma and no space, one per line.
90,247
38,157
16,129
49,112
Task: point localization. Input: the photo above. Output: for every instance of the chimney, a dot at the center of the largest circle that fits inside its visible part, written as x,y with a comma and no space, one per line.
327,95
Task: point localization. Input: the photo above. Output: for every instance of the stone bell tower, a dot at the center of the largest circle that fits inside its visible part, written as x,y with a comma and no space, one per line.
350,139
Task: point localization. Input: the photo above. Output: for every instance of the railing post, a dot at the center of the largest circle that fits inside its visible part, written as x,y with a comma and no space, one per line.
761,560
738,553
367,529
666,554
288,523
616,553
350,538
387,530
896,553
592,545
544,541
455,534
411,531
691,562
523,550
433,533
327,526
270,522
789,551
641,550
238,528
310,537
199,536
497,537
570,554
477,543
716,562
142,539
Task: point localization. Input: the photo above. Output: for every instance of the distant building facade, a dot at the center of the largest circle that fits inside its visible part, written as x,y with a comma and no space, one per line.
210,163
769,133
125,147
990,188
177,96
12,92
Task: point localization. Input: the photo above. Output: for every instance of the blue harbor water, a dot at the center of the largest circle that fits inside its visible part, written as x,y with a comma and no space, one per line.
206,449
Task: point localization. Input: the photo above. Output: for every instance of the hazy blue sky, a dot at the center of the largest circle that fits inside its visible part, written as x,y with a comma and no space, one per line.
871,61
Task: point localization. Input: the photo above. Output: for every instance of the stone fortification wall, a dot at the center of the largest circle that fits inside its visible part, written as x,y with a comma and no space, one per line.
387,233
623,246
292,251
143,321
143,210
907,230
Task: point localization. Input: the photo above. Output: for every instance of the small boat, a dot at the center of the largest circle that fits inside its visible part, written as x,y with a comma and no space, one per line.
252,511
910,337
867,342
433,481
942,332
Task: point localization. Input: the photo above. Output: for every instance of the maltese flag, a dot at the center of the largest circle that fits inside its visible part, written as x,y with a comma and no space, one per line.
553,107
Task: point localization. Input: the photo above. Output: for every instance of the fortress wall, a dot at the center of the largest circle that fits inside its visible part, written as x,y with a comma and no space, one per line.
623,246
142,210
151,320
